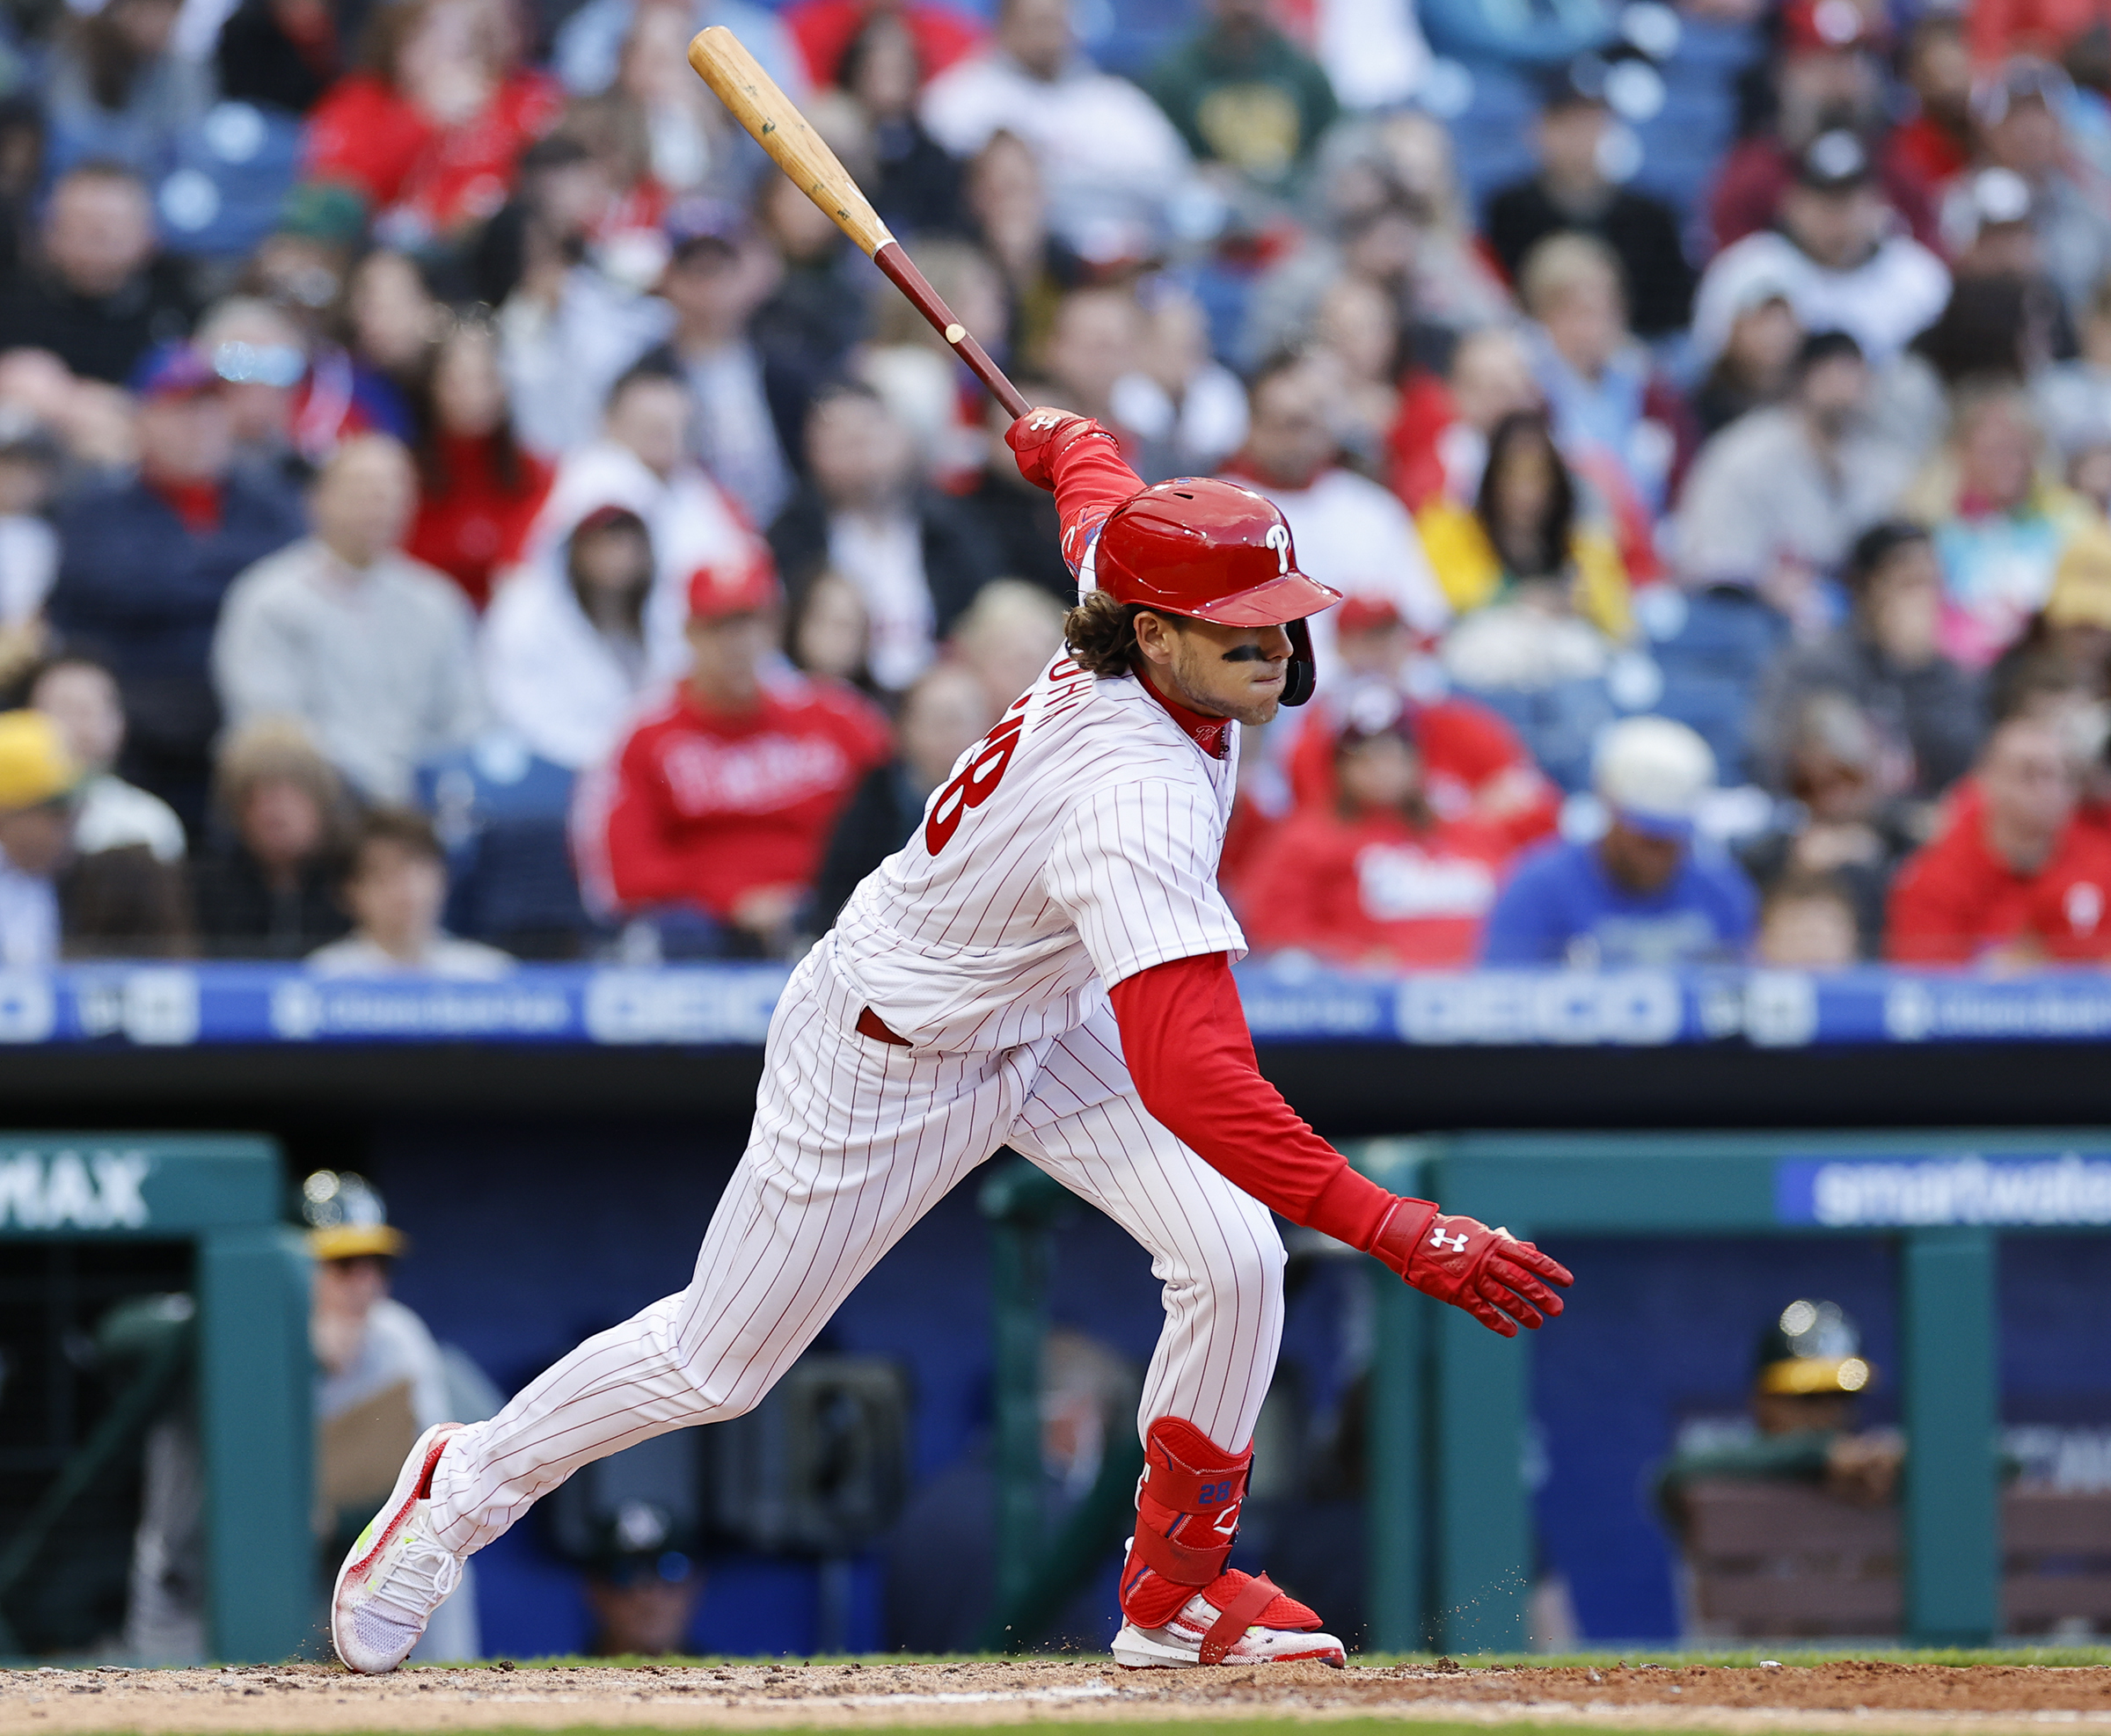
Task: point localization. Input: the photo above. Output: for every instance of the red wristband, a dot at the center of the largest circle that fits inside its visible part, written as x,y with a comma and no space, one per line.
1396,1238
1354,1208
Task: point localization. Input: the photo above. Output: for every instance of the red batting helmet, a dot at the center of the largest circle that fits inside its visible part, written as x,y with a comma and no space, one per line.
1207,549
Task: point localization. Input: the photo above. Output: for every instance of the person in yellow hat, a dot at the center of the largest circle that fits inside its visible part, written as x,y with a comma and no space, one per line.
2077,613
38,778
2059,671
1807,1379
382,1379
347,1220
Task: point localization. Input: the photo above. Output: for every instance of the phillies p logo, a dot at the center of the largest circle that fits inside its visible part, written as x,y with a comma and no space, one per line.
1279,539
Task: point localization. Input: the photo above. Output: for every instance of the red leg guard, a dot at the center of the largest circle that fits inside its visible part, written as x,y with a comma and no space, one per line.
1187,1520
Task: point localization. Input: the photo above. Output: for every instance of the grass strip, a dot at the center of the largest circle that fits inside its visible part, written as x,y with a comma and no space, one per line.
1790,1653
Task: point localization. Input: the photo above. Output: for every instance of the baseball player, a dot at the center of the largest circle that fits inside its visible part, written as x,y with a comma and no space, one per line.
1045,964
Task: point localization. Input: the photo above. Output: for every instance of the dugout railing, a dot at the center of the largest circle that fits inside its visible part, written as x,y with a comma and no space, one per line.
1450,1528
247,1351
1450,1516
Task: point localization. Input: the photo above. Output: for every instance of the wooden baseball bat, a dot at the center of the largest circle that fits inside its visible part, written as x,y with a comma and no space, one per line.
777,125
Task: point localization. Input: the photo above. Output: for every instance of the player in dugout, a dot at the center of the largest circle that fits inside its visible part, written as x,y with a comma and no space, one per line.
1808,1377
1045,964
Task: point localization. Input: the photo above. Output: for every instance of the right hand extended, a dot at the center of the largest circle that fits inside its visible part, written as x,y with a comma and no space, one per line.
1489,1273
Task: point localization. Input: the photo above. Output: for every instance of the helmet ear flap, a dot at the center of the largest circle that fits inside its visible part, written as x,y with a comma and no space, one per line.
1302,674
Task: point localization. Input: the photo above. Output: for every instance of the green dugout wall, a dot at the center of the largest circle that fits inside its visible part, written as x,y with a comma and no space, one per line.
1451,1538
254,1383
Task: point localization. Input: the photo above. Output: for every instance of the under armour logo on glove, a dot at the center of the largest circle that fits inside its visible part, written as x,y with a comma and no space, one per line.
1501,1281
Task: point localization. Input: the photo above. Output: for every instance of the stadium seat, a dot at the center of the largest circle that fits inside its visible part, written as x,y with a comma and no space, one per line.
1769,1559
1712,652
1680,142
502,813
1559,725
1492,134
232,173
1133,36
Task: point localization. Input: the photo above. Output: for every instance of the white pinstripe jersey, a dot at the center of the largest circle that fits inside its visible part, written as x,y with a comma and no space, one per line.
1075,845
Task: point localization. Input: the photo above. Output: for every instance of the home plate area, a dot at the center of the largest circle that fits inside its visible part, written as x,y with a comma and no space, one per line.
1859,1695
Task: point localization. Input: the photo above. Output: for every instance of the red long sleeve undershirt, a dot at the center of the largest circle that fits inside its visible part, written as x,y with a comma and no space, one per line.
1183,1030
1184,1035
1091,480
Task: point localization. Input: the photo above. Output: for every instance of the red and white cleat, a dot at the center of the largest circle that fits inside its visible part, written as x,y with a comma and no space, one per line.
1181,1603
396,1575
1200,1634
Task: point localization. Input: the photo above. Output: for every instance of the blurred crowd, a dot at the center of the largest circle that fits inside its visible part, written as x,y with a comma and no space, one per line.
459,503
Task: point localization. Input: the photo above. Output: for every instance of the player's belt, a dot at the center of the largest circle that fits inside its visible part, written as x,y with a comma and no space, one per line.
871,1024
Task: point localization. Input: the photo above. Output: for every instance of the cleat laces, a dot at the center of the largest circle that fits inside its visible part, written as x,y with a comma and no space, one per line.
415,1583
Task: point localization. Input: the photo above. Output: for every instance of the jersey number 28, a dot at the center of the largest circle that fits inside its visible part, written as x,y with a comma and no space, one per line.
976,783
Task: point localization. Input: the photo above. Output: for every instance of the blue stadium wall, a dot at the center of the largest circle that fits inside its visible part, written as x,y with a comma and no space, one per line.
530,1234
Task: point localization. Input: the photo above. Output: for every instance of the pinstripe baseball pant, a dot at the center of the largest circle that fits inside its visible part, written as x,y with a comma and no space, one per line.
854,1140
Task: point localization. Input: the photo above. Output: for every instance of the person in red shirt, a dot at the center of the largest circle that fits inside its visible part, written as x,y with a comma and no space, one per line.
431,132
2000,28
1829,74
2012,879
1376,877
1472,763
1935,142
723,797
479,491
825,29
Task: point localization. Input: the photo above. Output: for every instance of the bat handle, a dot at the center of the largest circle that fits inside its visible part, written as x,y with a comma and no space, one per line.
902,274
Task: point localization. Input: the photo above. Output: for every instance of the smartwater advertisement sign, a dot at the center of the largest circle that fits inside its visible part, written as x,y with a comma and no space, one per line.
2035,1189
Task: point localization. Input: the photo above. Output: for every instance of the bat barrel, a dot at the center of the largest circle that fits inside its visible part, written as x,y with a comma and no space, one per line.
772,120
776,124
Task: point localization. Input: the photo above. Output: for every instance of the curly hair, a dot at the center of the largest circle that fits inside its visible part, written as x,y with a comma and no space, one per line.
1101,635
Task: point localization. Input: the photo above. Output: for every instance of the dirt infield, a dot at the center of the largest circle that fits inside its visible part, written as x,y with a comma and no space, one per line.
312,1697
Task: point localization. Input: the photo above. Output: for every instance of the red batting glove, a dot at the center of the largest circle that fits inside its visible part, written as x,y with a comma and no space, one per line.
1489,1273
1040,436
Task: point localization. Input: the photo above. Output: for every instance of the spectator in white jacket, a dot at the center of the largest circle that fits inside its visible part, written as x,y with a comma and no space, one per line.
642,462
1835,256
1113,166
563,645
